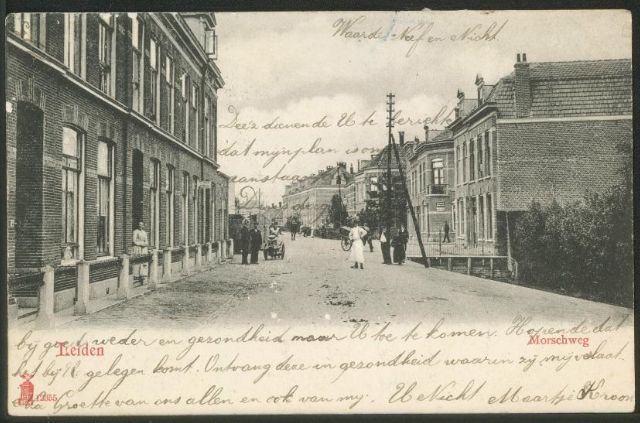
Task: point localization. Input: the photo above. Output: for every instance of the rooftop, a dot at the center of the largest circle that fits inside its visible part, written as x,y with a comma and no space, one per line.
569,89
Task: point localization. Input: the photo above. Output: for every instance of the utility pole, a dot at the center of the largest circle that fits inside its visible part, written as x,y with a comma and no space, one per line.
390,110
408,200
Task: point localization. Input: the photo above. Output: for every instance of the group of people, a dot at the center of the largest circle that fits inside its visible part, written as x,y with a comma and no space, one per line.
250,242
359,235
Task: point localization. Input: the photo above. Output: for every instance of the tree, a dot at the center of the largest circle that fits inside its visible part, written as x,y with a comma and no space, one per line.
337,212
370,215
584,248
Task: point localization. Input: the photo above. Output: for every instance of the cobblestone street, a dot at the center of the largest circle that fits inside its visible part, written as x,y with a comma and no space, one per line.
315,284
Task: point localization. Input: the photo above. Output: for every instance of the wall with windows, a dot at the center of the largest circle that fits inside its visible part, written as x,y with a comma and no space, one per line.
77,170
475,175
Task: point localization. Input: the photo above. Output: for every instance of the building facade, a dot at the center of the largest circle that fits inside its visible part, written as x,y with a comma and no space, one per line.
310,198
430,179
111,121
548,130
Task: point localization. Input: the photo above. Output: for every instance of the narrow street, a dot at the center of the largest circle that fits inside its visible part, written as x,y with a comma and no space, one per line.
315,284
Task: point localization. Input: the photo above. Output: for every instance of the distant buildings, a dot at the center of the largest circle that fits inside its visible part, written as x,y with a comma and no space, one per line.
310,198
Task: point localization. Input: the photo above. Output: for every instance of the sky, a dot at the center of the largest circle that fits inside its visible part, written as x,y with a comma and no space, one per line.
309,68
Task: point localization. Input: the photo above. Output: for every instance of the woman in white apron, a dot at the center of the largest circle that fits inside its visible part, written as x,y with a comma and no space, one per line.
140,246
357,250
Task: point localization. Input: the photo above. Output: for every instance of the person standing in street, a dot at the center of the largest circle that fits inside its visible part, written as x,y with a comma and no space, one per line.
399,245
368,238
356,234
140,246
255,242
446,232
244,241
385,245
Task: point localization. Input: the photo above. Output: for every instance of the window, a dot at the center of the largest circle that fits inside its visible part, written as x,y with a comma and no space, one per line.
487,151
73,46
31,27
466,161
374,184
437,172
481,171
458,161
136,74
211,43
472,160
196,221
170,206
194,111
185,99
185,208
169,78
481,218
105,199
489,216
154,204
207,127
71,192
105,38
154,53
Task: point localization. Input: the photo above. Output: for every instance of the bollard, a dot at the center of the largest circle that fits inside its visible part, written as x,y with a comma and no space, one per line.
153,271
12,309
124,285
450,264
223,250
199,256
45,306
218,258
469,266
84,290
185,261
166,265
231,251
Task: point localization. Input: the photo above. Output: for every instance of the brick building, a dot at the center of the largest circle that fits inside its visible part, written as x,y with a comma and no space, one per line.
310,198
546,131
111,121
430,178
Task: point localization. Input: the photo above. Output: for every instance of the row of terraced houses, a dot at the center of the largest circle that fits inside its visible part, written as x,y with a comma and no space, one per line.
111,121
547,130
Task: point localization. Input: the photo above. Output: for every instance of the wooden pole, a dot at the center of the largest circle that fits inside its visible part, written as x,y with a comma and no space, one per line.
406,196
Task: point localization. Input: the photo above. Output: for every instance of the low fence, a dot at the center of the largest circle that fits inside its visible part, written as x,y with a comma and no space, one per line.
500,268
38,289
456,247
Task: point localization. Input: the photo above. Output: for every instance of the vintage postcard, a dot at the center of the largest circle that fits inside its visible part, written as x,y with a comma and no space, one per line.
319,212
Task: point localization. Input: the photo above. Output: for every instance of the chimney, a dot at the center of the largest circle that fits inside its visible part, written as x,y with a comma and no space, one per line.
426,133
522,87
351,168
401,134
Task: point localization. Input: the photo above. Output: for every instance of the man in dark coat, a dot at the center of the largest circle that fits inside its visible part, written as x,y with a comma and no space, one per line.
255,242
385,245
400,245
446,232
244,241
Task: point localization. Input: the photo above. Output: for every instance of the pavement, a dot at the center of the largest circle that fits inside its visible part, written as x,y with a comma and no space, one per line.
315,284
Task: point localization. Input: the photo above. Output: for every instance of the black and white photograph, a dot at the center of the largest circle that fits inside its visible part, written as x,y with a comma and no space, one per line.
214,213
